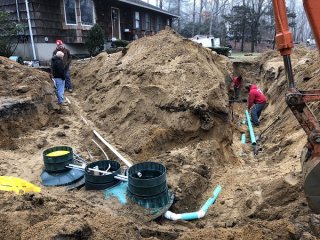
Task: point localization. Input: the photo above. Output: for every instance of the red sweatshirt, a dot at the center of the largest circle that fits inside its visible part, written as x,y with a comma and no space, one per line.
255,96
236,82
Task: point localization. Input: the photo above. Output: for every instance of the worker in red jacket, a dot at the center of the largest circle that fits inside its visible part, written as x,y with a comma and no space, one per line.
236,82
256,102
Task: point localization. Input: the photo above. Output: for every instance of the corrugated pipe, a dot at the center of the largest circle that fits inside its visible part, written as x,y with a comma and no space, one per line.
195,215
252,136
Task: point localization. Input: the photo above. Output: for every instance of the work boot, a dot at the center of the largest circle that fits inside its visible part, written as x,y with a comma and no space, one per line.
60,109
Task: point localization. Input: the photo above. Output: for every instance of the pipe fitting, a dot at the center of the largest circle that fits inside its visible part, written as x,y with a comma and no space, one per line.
172,216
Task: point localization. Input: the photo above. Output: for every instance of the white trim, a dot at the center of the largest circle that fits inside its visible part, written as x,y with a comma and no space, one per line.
119,29
65,15
146,7
30,30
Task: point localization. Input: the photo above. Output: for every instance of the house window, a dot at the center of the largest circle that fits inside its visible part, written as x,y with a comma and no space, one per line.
70,11
148,22
137,19
86,9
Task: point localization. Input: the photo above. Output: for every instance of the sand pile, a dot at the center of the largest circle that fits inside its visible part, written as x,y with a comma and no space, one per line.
26,96
160,94
305,67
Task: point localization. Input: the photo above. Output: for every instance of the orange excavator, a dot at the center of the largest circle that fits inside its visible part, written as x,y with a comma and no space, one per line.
297,100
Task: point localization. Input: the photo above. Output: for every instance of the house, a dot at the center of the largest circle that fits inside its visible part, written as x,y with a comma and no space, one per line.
71,20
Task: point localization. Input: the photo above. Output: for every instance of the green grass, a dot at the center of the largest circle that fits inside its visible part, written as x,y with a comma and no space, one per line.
243,56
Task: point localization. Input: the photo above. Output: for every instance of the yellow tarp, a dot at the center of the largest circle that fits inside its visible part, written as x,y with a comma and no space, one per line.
17,185
57,153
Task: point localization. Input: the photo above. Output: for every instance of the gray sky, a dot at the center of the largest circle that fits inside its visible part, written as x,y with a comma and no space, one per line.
154,1
150,1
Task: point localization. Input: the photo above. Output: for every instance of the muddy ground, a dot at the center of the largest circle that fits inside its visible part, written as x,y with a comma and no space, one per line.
163,99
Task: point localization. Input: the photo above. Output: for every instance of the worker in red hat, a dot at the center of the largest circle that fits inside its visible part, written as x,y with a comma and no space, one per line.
66,63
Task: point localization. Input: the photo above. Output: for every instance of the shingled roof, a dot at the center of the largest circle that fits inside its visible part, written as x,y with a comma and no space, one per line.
143,4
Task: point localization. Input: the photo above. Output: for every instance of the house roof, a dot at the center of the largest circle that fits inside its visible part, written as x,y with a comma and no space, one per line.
143,4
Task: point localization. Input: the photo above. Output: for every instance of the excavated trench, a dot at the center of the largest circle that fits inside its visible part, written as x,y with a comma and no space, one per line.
193,136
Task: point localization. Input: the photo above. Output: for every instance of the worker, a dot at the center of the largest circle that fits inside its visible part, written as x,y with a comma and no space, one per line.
236,83
57,71
66,63
256,102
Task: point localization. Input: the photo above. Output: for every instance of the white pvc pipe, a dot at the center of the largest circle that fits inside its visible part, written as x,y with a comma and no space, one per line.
99,171
30,30
121,178
17,8
82,168
128,163
101,149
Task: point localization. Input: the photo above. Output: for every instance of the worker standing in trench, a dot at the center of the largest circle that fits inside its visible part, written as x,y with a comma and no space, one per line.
66,62
57,71
236,83
256,102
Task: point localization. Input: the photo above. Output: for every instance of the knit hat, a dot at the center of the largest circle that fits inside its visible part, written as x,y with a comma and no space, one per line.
60,54
59,42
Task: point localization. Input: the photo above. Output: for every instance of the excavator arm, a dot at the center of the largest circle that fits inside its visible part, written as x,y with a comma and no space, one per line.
297,100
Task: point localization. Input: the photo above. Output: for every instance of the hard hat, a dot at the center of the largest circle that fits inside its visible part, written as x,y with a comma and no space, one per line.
59,42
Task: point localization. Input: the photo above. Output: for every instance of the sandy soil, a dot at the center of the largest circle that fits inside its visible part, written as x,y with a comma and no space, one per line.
163,99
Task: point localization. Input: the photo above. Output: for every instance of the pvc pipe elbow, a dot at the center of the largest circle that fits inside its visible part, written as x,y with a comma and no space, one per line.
201,213
172,216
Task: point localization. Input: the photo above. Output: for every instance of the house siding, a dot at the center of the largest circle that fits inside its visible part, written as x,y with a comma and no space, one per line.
48,22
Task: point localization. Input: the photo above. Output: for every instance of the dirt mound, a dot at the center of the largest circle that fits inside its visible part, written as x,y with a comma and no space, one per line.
44,216
26,97
162,92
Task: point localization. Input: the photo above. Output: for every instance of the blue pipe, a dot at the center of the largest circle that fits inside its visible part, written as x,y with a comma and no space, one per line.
252,136
189,216
243,138
195,215
211,200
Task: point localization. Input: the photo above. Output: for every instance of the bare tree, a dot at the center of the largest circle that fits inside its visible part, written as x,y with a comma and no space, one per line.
217,9
258,8
193,16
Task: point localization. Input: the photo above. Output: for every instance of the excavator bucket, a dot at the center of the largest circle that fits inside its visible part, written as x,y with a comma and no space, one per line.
17,185
311,175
